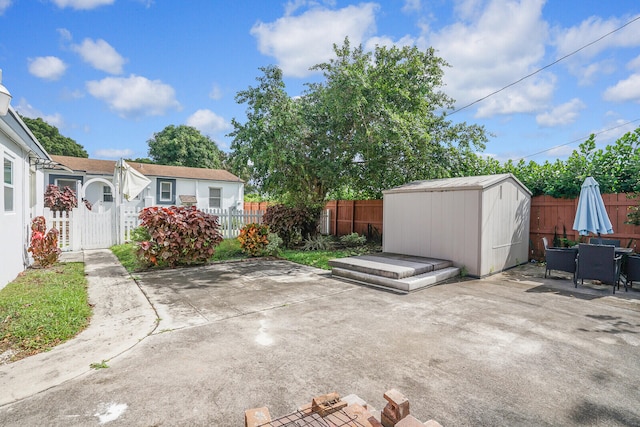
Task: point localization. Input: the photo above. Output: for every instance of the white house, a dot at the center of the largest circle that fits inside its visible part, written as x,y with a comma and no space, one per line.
23,185
169,185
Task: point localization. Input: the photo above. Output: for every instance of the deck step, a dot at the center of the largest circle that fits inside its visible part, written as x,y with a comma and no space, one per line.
392,266
403,285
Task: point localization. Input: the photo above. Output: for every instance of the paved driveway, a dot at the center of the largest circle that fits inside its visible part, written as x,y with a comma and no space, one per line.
508,350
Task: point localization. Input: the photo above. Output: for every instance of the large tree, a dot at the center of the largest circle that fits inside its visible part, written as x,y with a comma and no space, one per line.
52,141
184,146
378,119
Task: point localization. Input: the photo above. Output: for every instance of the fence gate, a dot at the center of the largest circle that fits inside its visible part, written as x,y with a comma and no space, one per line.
98,227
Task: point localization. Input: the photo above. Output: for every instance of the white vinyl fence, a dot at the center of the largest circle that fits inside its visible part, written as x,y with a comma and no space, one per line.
82,229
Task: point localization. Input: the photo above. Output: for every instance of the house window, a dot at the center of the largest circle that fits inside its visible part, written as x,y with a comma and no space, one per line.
71,183
107,195
215,197
8,185
165,191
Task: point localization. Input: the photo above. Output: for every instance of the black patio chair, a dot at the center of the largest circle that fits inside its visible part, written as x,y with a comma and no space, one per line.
599,262
560,259
632,269
600,241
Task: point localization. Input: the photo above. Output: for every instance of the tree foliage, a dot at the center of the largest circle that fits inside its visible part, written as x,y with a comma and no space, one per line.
184,146
616,167
52,141
378,119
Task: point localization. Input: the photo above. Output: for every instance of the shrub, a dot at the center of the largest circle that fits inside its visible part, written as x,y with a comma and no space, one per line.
273,247
44,245
60,201
140,234
291,223
254,238
178,235
353,240
318,243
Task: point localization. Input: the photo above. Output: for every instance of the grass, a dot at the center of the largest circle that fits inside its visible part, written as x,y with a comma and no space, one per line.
43,308
319,259
126,253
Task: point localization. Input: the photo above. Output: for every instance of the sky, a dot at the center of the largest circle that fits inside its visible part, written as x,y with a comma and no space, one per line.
111,73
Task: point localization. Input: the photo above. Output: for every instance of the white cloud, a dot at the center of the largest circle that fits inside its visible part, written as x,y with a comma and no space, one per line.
64,34
216,92
26,109
491,47
411,6
624,90
570,39
114,153
4,5
134,96
634,64
208,122
612,131
101,55
47,67
81,4
561,115
299,42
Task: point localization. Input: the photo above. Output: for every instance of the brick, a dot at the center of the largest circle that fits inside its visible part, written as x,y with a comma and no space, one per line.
397,408
256,417
361,415
409,421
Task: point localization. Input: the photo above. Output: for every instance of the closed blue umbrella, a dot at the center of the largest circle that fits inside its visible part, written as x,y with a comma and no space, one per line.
591,216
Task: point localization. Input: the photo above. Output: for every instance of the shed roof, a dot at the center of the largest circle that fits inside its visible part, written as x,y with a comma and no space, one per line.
479,182
106,167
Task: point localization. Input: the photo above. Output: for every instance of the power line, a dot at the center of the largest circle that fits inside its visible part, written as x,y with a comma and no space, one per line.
579,139
546,66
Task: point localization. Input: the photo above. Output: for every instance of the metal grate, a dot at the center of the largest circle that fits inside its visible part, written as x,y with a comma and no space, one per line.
304,419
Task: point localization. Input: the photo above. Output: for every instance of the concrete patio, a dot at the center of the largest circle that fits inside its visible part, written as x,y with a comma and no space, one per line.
510,349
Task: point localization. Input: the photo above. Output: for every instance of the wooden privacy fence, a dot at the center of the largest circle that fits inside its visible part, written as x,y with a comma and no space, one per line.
551,216
548,216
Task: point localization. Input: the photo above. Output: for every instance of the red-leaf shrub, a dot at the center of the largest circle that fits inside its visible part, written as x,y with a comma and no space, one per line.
60,201
291,223
178,235
254,238
44,245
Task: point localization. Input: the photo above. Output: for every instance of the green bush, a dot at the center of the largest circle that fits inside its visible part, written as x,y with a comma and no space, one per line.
318,243
140,234
178,235
353,240
274,245
291,223
254,238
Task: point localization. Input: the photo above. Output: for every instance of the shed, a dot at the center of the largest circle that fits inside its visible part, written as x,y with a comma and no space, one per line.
481,223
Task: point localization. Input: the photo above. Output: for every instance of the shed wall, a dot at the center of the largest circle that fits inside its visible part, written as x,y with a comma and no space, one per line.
447,223
504,228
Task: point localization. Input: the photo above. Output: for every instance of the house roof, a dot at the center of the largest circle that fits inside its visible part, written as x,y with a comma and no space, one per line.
106,167
13,126
479,182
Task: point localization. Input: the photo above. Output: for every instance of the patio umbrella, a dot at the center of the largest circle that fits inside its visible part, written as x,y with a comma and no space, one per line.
130,180
591,216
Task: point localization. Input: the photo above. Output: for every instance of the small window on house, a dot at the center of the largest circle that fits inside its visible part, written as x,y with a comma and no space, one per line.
165,191
215,196
71,183
8,185
107,195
